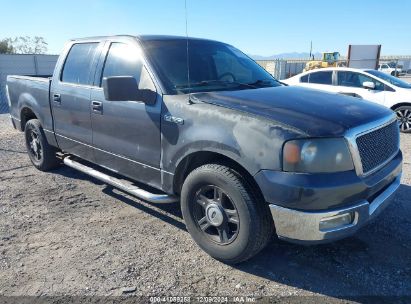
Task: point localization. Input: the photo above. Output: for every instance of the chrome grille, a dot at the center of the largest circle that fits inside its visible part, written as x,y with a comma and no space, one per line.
378,146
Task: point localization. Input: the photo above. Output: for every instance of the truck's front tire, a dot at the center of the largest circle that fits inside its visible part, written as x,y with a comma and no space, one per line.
404,118
224,215
42,155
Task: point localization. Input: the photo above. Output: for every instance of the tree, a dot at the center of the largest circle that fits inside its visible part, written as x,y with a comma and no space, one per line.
23,45
6,47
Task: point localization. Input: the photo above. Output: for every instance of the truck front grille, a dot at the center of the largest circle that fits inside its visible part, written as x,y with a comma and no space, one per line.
378,146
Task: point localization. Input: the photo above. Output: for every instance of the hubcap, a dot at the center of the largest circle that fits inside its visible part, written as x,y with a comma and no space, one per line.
404,118
216,215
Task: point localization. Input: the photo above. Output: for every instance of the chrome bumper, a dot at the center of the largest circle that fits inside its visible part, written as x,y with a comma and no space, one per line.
304,227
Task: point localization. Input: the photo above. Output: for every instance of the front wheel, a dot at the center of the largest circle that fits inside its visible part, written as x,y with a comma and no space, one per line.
42,155
224,215
404,118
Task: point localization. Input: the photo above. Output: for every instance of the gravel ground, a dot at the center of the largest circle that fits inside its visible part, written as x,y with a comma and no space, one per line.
64,233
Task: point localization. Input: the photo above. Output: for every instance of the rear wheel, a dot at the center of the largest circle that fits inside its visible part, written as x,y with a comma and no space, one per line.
225,217
404,118
42,155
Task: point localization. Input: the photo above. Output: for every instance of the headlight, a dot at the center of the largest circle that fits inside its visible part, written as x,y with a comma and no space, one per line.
317,155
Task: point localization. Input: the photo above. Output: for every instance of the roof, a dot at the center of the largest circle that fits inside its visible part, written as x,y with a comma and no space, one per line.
143,37
337,69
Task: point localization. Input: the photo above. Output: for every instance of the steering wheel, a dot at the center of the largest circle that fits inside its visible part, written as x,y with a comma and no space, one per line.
229,77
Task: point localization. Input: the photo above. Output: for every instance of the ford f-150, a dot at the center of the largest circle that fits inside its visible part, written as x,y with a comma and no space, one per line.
197,121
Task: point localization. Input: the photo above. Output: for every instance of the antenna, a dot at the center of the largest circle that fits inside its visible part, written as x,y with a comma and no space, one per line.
188,59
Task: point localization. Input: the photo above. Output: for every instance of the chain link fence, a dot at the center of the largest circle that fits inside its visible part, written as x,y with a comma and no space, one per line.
285,68
29,65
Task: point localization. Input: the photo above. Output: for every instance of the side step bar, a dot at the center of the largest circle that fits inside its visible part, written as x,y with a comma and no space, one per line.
115,182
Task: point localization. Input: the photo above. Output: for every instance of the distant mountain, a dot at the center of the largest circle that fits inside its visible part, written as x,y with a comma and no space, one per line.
293,55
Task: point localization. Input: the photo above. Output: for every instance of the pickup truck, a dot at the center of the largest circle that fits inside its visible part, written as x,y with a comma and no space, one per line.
390,68
195,121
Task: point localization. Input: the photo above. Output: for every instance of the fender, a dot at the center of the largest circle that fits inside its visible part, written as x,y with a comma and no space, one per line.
255,143
36,99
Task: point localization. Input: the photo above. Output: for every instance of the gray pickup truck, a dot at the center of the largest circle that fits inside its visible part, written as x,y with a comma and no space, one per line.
196,121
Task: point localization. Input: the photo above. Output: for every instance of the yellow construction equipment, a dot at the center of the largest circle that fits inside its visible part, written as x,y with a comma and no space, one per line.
329,59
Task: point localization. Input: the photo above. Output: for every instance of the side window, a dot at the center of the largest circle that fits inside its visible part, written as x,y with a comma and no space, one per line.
349,79
78,63
379,86
320,77
125,60
304,78
352,79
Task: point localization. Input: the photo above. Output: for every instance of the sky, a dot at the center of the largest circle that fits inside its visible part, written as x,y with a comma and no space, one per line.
263,28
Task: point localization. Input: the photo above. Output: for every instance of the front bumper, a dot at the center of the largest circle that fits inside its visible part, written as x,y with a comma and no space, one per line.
304,227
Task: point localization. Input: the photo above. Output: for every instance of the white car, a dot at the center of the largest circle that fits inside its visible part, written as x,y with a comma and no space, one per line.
389,68
371,85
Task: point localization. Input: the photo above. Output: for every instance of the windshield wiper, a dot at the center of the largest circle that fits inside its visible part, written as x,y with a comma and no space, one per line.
262,82
216,81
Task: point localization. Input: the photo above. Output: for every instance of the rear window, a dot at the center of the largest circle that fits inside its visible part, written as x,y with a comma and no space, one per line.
318,77
78,64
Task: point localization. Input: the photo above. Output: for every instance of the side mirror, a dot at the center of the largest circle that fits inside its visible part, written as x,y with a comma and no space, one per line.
368,85
122,88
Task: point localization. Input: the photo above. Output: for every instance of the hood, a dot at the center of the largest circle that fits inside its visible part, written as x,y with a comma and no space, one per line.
314,113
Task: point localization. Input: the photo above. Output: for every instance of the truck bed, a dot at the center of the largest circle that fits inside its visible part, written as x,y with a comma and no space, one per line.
26,92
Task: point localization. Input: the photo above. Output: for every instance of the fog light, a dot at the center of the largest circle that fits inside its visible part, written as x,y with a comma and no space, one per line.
336,222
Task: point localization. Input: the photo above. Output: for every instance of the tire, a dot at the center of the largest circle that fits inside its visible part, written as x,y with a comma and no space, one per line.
404,118
213,198
42,155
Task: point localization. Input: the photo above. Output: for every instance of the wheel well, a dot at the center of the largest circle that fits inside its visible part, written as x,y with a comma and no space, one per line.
400,105
195,160
26,115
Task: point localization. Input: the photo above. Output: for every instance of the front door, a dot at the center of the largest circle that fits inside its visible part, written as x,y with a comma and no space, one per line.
351,83
126,134
70,100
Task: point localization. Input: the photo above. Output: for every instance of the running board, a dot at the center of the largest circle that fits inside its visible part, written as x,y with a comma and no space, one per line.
115,182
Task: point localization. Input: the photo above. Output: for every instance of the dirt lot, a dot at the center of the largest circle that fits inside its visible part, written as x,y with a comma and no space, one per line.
63,233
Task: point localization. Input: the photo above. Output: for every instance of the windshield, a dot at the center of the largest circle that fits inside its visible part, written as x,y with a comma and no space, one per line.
214,66
391,79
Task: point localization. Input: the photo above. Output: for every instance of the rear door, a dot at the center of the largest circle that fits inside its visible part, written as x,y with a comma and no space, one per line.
126,134
70,99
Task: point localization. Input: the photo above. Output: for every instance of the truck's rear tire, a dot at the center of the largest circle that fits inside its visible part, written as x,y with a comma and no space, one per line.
42,155
224,215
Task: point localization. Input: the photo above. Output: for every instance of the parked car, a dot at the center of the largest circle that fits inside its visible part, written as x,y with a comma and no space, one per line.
371,85
240,151
390,68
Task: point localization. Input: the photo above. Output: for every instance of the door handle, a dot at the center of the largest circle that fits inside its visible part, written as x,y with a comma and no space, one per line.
97,107
57,98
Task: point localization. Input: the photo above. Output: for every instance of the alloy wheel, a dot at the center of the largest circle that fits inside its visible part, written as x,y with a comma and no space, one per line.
35,145
216,215
404,118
